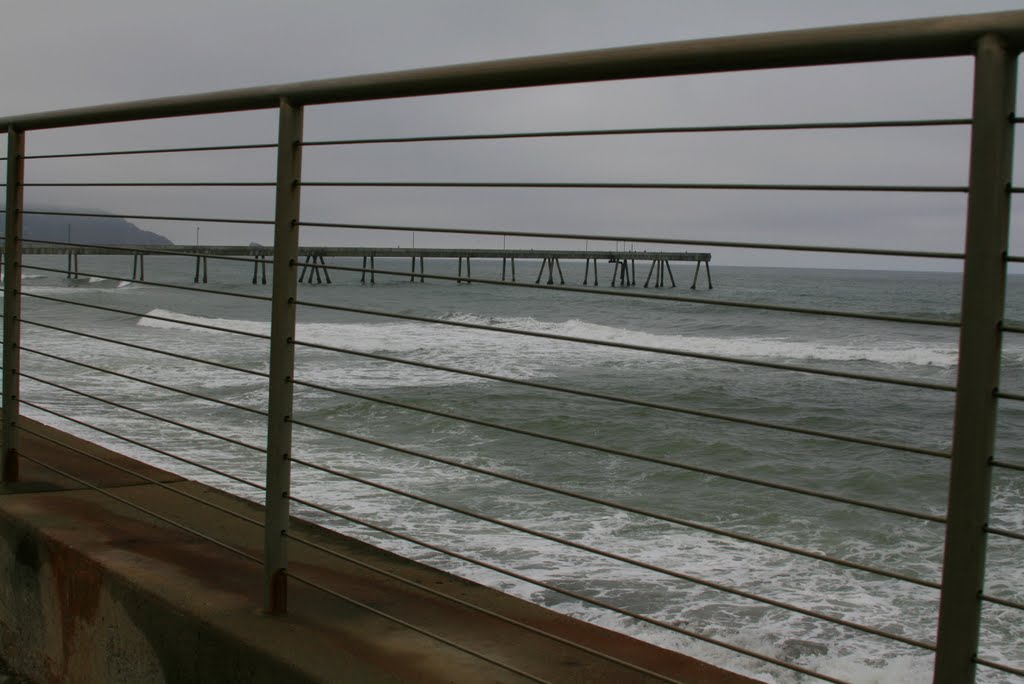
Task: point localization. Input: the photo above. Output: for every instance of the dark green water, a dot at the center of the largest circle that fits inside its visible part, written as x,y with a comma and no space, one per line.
884,412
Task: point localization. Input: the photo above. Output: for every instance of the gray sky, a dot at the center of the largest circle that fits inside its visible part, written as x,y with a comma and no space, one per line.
62,54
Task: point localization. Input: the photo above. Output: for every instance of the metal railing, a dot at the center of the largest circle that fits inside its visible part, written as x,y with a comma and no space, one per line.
993,40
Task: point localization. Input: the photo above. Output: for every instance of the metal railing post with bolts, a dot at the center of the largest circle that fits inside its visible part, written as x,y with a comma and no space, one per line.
282,357
12,303
974,427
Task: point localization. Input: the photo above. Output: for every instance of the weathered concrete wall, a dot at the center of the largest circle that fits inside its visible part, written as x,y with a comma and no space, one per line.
93,590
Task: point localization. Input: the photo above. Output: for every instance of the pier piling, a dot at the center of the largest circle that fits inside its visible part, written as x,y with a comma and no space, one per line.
200,258
138,266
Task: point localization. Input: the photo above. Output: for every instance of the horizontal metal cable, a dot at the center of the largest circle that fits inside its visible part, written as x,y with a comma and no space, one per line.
310,543
631,402
143,445
562,590
414,628
1004,533
1007,464
151,383
1003,602
151,217
143,250
122,343
154,184
657,297
741,128
477,608
155,317
635,347
738,536
627,454
221,544
515,185
641,240
1012,328
85,274
1010,395
163,150
142,509
998,666
145,478
624,559
615,186
534,233
143,413
1015,259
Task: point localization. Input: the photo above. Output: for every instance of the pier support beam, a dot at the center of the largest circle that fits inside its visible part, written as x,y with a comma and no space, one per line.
621,272
696,272
552,263
312,265
362,276
647,282
257,262
138,267
73,265
201,259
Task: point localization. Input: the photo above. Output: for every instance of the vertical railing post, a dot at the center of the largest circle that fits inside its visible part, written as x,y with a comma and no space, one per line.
12,304
282,357
984,282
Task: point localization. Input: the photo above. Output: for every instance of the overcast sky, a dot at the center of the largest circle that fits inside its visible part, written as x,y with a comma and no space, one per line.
63,54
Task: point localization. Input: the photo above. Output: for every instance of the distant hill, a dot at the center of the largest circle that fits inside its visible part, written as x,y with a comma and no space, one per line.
89,230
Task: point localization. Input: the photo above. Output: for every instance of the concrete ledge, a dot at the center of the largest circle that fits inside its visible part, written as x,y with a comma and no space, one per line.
94,590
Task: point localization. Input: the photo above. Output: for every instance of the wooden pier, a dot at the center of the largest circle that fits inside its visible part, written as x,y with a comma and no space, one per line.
312,261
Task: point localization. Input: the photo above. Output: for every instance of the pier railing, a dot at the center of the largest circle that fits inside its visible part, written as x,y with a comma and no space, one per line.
993,41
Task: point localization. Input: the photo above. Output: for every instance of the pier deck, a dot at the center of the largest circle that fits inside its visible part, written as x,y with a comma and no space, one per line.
314,265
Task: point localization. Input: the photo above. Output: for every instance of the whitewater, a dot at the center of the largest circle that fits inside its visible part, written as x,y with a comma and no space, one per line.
622,402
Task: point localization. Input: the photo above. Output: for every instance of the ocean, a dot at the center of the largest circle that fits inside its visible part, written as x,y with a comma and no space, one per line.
632,417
